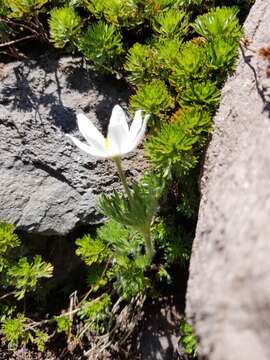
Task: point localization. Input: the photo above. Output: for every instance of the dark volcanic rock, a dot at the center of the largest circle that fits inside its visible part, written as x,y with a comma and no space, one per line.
46,184
228,297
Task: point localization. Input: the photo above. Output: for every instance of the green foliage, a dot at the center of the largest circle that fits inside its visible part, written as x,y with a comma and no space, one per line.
4,11
171,24
174,242
65,26
221,54
17,331
22,277
101,44
96,313
168,52
163,275
219,22
91,251
13,329
95,6
193,2
204,94
8,240
97,277
63,324
40,339
119,12
129,277
159,5
188,339
177,82
137,211
121,240
6,311
189,196
127,264
24,8
112,233
172,150
154,98
141,64
25,276
189,65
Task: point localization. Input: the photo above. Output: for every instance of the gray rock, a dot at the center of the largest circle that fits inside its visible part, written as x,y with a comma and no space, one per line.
47,185
158,337
228,298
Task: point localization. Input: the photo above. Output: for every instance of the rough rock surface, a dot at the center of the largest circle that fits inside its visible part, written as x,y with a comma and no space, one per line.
46,184
228,297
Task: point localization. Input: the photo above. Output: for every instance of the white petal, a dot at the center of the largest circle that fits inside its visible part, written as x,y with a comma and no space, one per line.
118,117
136,125
92,135
139,136
118,132
89,149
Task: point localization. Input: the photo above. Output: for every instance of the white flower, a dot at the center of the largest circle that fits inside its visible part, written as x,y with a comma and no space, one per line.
120,140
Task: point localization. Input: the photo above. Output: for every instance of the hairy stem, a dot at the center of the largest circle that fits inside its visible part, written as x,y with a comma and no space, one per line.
149,247
122,177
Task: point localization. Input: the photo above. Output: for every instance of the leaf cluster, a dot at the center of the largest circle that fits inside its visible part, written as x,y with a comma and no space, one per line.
17,331
91,250
174,242
63,323
8,241
102,45
65,25
174,151
96,313
154,98
129,276
141,65
171,24
188,339
23,8
24,275
138,210
122,13
121,263
219,22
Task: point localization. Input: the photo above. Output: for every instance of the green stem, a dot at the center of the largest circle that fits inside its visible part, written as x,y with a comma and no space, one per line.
122,177
149,247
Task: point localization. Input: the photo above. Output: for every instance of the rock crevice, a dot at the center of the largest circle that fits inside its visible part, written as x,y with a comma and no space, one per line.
228,298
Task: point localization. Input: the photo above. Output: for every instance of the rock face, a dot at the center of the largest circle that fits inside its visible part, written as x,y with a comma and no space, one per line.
46,184
228,299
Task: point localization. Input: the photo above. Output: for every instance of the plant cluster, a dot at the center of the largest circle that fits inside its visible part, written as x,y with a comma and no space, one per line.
188,339
176,55
19,276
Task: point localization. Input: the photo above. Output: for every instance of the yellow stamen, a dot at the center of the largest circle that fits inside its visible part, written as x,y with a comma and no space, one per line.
106,143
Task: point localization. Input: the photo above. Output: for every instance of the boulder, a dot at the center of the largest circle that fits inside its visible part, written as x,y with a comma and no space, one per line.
47,185
228,297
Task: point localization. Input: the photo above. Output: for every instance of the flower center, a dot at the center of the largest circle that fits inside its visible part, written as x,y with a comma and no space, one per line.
106,143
